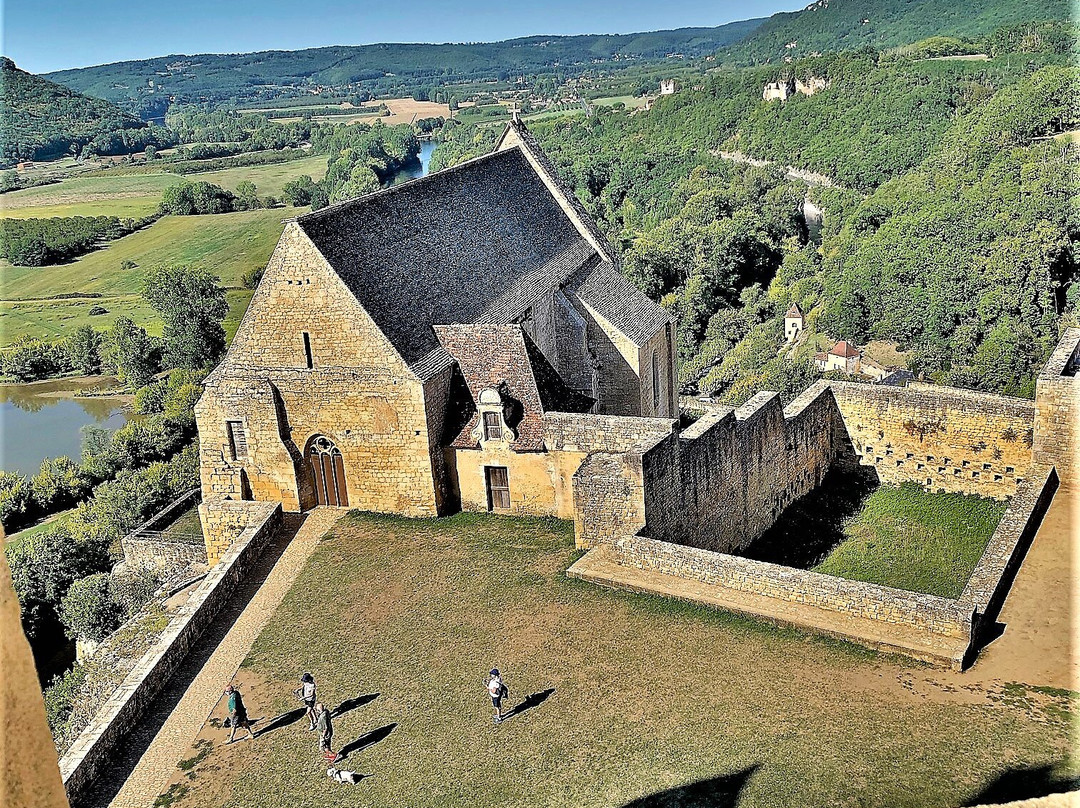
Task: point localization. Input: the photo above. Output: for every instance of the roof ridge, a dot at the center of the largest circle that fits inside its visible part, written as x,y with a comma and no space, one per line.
316,214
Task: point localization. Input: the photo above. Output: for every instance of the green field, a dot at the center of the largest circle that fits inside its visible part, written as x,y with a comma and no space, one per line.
134,195
910,539
623,699
228,244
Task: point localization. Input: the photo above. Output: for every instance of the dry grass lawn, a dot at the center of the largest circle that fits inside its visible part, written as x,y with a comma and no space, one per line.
636,700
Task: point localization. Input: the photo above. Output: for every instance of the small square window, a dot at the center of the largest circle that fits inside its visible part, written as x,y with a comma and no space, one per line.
986,467
1009,469
998,478
492,426
965,464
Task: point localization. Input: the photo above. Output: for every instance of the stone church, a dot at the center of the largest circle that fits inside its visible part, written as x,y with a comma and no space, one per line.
411,351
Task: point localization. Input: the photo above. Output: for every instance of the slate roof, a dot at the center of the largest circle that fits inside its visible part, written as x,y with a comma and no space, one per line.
794,311
504,358
618,301
474,243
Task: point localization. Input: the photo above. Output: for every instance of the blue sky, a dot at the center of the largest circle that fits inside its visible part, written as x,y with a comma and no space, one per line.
45,35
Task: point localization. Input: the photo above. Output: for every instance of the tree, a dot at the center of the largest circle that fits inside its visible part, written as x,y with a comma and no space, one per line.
84,350
192,303
88,610
132,354
247,196
298,191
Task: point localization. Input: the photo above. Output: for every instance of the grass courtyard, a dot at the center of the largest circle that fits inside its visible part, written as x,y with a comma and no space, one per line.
898,536
631,700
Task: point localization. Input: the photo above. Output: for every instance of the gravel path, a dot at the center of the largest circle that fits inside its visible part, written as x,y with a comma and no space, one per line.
153,748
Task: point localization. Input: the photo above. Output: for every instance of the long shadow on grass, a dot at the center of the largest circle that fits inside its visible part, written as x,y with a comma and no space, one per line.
716,792
813,525
533,700
112,775
1024,784
283,720
352,704
365,740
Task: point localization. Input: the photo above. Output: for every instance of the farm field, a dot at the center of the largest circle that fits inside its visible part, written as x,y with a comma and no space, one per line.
229,244
619,699
136,195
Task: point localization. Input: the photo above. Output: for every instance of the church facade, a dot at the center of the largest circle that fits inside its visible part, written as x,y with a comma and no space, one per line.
409,351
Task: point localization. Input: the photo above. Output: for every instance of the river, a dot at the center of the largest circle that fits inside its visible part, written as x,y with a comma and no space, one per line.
416,169
44,419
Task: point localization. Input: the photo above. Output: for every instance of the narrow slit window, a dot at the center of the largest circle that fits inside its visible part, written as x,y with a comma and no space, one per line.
656,382
492,426
307,350
237,439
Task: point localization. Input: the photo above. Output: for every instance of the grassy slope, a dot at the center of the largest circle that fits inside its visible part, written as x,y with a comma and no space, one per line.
907,538
649,694
229,244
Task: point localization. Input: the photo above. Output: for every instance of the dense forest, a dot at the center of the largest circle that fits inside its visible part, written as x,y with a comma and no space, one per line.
40,242
382,69
40,120
953,238
836,25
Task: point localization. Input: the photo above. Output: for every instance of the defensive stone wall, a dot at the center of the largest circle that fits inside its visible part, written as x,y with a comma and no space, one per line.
144,548
722,482
1057,409
131,699
942,438
585,432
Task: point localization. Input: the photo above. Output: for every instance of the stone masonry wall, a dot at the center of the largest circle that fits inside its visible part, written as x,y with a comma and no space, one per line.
1057,409
932,614
161,554
359,394
722,482
134,696
943,438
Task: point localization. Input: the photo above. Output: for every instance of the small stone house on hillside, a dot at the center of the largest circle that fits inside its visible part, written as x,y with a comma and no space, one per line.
843,356
413,351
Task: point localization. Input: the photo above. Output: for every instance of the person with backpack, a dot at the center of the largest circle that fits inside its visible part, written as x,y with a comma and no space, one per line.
238,716
498,691
306,693
326,731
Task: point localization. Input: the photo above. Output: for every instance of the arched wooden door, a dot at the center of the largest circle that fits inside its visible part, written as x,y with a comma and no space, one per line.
327,472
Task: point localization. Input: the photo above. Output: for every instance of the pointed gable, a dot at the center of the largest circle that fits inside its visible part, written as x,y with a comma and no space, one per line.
794,312
503,358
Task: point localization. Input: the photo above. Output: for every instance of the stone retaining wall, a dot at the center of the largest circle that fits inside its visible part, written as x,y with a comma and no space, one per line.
993,575
161,554
935,615
131,699
1057,409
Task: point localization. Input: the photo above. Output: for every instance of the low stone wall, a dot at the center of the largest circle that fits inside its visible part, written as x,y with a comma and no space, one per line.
223,520
993,575
131,699
161,554
935,615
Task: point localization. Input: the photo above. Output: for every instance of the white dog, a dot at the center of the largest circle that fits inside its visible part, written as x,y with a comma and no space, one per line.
343,776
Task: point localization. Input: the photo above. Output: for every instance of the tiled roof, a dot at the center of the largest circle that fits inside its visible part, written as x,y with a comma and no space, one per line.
503,357
473,243
794,311
618,301
844,349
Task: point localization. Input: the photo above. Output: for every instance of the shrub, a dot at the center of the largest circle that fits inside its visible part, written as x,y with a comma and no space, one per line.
150,398
251,277
127,263
33,359
15,500
61,696
88,610
59,483
97,311
132,589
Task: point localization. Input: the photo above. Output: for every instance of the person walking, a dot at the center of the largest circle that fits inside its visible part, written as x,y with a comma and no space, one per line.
307,694
498,690
238,716
326,731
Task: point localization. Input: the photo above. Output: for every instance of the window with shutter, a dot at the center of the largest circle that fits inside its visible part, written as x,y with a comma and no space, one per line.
492,426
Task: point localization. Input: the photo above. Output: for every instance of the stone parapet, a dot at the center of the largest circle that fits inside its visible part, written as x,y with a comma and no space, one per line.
1057,409
131,699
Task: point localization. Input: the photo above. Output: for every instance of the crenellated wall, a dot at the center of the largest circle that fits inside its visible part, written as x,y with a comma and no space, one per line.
727,477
